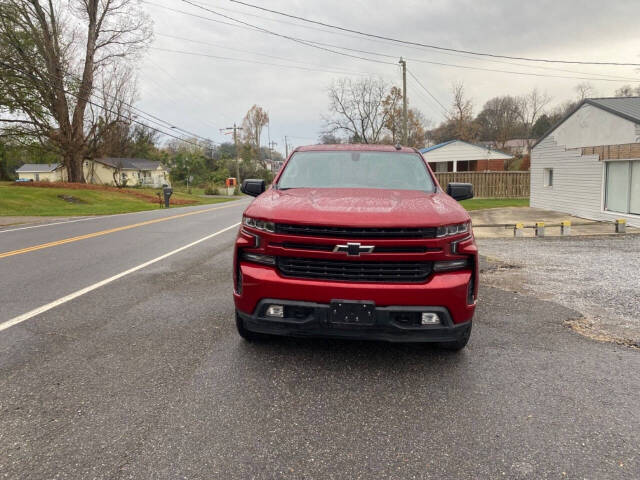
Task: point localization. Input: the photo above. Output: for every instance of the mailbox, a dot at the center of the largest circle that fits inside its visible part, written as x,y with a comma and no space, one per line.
167,192
231,182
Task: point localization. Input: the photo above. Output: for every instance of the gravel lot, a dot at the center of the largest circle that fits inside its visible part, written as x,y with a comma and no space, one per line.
597,276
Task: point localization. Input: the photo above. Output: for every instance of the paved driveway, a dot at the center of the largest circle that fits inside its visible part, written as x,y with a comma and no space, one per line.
529,216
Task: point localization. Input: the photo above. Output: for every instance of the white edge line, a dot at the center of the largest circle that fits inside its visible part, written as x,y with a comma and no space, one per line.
48,224
90,288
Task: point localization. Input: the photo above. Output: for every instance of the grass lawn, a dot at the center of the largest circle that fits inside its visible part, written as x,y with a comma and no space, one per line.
36,201
481,203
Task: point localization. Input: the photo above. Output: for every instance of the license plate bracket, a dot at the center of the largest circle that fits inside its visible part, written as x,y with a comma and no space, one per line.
352,313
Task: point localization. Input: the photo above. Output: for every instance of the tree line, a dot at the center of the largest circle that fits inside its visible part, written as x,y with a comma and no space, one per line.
68,88
369,110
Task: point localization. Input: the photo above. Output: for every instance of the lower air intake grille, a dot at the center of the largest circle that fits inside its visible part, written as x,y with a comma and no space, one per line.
386,272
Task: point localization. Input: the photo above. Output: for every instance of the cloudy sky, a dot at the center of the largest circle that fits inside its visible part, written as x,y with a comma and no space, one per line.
203,75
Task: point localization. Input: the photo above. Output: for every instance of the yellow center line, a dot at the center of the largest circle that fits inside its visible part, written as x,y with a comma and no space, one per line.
111,230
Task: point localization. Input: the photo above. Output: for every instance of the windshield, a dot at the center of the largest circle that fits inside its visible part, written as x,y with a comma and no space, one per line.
354,169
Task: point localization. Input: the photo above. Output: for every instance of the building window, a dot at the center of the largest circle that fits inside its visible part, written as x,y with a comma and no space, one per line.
548,177
622,187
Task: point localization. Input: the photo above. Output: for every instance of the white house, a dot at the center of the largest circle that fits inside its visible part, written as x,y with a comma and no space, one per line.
461,156
42,172
588,164
126,171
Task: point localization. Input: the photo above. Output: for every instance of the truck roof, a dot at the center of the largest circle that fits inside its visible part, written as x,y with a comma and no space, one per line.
354,146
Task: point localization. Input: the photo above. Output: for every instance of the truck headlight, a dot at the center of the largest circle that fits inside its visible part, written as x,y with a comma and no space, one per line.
449,230
259,224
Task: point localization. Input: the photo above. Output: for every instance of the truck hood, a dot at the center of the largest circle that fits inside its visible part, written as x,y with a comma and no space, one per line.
357,207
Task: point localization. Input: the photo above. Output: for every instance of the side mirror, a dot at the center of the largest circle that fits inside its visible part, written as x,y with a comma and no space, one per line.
460,191
253,187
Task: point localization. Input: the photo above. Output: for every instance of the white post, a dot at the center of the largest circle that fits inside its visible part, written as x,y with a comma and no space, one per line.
455,165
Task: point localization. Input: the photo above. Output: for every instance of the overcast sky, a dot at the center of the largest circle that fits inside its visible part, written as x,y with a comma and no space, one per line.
205,94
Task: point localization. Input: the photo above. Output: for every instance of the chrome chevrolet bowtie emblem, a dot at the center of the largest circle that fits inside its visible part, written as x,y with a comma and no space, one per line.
354,249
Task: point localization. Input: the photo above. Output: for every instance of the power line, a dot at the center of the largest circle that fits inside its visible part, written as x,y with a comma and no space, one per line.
410,47
226,47
253,62
293,39
444,109
425,45
314,43
63,90
609,78
175,86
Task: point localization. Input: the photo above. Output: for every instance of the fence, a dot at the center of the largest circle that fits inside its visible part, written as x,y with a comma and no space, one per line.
490,184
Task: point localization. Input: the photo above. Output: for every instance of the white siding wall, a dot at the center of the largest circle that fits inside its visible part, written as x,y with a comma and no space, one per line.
462,152
591,126
577,182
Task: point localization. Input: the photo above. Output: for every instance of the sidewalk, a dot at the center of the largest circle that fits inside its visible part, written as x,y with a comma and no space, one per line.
506,218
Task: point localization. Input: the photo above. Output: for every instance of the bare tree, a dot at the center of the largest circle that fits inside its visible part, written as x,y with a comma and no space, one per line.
584,90
531,106
500,120
416,133
461,113
357,109
114,130
393,108
627,91
51,56
329,139
254,121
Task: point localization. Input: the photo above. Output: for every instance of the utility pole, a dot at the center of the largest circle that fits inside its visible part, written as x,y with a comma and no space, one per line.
269,138
405,118
235,129
286,147
271,147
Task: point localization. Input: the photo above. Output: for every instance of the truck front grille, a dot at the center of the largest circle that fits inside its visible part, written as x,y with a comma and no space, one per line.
384,272
356,232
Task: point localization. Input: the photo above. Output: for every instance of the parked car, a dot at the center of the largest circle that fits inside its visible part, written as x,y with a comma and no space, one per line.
356,241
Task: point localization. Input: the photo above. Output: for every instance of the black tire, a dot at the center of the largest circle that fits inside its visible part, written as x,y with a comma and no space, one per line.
247,335
457,345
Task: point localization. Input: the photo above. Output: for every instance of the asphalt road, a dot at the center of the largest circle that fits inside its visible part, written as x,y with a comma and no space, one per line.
145,377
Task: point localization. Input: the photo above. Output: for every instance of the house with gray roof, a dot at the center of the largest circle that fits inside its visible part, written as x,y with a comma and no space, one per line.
123,172
126,172
460,156
41,172
588,164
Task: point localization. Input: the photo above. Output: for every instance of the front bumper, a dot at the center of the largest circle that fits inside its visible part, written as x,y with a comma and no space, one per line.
448,290
315,323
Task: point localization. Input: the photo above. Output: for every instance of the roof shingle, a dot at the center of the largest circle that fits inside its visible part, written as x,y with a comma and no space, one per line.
38,167
627,107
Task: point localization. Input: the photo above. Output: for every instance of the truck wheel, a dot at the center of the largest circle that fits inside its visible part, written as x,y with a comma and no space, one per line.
247,335
459,344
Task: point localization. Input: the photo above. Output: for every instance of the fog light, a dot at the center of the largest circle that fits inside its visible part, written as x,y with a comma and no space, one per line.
450,265
259,258
429,318
275,311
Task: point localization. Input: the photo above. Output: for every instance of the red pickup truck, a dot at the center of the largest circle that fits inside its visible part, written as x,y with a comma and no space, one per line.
356,241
